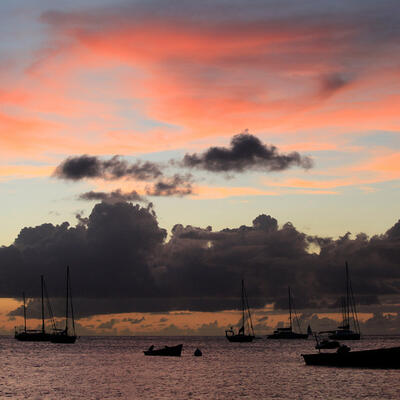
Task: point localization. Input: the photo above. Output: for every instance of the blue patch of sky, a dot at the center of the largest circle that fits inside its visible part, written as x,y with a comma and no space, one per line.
31,202
132,112
316,214
372,139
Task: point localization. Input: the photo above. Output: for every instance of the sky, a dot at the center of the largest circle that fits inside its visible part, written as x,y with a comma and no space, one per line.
165,150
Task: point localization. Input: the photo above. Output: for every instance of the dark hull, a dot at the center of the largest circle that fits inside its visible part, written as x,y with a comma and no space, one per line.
291,335
174,351
345,336
63,339
33,337
240,338
377,358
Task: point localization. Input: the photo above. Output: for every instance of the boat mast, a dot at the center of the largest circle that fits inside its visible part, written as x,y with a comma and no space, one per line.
347,305
290,308
41,280
243,305
352,305
23,295
66,306
343,305
251,328
72,306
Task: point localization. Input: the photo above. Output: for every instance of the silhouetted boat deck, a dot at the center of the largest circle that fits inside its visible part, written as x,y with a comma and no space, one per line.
376,358
171,351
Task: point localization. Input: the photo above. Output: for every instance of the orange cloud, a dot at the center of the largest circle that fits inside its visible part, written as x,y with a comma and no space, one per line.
8,172
385,167
21,134
308,184
212,192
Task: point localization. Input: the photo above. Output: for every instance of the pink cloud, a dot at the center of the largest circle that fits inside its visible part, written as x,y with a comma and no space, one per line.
204,79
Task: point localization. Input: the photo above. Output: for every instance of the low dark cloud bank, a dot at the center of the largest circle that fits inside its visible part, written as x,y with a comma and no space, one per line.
121,262
246,152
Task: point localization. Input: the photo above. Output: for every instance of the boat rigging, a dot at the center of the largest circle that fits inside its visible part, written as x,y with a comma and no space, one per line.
247,323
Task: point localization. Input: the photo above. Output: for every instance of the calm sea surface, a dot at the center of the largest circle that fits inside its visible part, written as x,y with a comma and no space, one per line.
115,368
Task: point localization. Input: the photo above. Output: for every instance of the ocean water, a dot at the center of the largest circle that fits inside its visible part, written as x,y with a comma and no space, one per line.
116,368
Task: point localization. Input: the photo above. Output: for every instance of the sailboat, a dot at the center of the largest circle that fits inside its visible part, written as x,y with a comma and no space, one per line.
247,322
344,332
287,333
63,335
33,335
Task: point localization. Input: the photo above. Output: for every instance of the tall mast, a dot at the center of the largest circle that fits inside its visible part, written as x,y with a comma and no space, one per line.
290,309
251,328
352,304
243,304
347,296
23,295
343,304
72,305
66,305
41,281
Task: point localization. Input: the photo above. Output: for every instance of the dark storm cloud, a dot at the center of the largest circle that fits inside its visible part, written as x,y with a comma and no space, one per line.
121,263
178,185
113,197
81,167
110,256
246,152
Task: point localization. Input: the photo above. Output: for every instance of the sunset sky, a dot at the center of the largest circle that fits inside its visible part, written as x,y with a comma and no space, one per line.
207,114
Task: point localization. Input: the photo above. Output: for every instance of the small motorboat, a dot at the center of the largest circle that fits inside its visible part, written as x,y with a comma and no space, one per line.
343,357
172,351
323,342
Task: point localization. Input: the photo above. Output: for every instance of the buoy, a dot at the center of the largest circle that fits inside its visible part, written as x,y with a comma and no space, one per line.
198,353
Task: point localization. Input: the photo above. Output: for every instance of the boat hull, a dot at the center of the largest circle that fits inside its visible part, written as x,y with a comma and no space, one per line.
174,351
240,338
33,337
291,335
63,339
377,358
